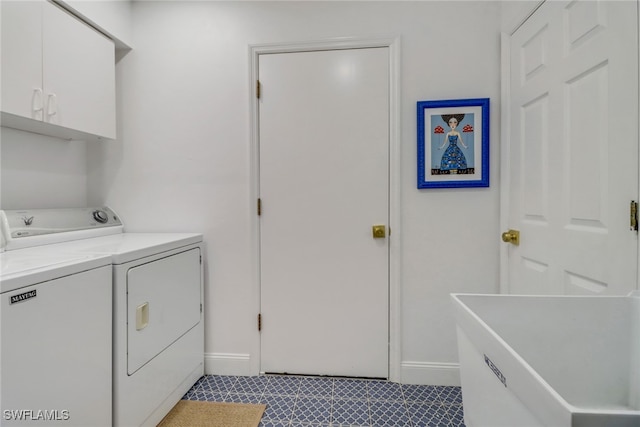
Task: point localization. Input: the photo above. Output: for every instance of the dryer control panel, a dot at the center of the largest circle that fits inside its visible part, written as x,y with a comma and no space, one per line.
51,225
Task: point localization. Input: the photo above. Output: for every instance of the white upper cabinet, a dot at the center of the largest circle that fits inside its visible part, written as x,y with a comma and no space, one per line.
58,74
22,59
79,74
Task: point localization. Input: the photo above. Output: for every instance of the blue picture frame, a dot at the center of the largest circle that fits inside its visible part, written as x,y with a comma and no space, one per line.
453,143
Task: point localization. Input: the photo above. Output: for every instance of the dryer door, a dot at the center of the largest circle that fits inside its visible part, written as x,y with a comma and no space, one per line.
163,303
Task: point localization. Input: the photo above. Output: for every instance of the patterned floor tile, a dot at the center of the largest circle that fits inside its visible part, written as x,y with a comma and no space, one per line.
385,390
216,383
252,385
316,386
451,395
421,393
295,401
428,415
350,412
279,408
349,389
456,415
283,386
242,398
312,410
389,414
269,423
298,424
205,396
201,381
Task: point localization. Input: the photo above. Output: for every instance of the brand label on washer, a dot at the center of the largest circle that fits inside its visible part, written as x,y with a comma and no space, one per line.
23,296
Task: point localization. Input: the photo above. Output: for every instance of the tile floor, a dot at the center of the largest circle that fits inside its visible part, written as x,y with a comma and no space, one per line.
298,401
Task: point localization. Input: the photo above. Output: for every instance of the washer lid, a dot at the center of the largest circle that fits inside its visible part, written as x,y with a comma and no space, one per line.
26,267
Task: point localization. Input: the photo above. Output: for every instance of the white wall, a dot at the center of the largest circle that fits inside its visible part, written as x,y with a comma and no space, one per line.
41,172
514,12
112,17
181,162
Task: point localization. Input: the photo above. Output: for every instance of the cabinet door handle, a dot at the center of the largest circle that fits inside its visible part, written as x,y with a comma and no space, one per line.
52,105
37,104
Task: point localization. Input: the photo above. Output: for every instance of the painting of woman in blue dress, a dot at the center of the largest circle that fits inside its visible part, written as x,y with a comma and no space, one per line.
453,143
453,160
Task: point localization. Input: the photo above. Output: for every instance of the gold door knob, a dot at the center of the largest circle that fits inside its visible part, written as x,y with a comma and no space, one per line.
511,236
379,231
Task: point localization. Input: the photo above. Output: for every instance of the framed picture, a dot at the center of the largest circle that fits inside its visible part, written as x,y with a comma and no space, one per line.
453,143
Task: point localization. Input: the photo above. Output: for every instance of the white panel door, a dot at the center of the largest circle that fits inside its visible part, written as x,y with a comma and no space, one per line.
573,149
324,182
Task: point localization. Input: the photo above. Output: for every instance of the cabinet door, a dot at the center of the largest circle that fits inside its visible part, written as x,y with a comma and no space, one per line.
79,74
22,58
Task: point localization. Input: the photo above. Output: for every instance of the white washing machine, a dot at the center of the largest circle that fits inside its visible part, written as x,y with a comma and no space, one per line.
55,339
158,328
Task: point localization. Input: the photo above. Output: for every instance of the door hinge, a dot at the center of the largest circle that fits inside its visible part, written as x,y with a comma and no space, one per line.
259,322
258,89
259,207
200,307
633,216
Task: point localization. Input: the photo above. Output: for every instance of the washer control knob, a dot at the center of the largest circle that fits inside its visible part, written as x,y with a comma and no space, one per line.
100,216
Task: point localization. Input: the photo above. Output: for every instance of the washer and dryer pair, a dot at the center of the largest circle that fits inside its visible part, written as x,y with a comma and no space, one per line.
156,345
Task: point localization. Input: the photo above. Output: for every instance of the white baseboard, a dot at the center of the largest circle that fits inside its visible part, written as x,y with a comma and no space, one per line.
227,364
427,373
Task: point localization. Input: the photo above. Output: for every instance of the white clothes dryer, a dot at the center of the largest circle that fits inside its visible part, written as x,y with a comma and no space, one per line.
158,328
55,338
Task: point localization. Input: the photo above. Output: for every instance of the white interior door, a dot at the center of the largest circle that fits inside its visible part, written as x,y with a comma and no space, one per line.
573,149
324,182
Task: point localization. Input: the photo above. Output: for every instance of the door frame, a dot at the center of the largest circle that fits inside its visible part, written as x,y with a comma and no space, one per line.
393,43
